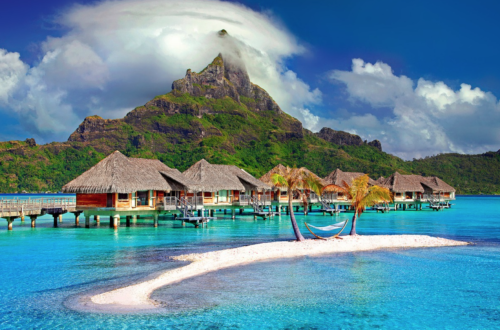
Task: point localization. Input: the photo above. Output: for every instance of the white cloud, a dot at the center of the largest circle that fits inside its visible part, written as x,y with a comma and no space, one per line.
373,83
12,72
429,119
117,55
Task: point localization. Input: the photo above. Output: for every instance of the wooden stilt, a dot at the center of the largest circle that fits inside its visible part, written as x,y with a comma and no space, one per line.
22,218
87,221
115,221
155,217
127,222
10,220
77,219
233,214
60,218
33,221
97,219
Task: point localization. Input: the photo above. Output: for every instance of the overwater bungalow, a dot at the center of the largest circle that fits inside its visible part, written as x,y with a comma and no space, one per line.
404,187
437,187
121,186
224,186
417,187
414,190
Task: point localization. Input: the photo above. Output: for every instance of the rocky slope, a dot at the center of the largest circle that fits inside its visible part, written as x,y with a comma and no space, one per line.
345,139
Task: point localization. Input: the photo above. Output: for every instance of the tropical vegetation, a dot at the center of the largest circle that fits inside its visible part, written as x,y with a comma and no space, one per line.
361,195
298,181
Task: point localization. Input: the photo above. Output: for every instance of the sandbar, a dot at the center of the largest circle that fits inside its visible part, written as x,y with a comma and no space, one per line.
137,296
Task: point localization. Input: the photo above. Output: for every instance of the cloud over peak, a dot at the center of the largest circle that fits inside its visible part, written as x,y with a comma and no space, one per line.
117,55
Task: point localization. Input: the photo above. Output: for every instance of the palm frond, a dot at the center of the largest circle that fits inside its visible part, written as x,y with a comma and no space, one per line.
279,180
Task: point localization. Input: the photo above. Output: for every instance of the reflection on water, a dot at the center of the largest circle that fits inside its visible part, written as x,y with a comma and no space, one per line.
452,287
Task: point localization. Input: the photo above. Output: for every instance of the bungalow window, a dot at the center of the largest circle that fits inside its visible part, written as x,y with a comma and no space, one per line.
284,193
123,197
223,196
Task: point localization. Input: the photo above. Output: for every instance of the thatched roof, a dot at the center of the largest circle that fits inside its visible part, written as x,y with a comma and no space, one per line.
211,177
436,184
266,178
403,183
119,174
338,177
173,176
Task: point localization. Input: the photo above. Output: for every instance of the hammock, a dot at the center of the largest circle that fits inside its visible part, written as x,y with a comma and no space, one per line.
331,227
337,225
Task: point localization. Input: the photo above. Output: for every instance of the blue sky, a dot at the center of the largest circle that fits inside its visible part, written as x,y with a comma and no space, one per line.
407,89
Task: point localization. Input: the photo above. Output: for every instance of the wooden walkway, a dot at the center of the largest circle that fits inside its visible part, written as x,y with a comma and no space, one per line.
11,209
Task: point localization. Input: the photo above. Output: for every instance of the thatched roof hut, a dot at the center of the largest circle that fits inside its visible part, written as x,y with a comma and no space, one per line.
417,183
399,183
338,177
266,178
119,174
436,185
211,177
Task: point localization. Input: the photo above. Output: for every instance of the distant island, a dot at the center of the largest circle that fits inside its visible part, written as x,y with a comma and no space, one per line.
221,116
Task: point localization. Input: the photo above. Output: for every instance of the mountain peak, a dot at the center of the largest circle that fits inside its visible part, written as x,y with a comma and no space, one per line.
225,76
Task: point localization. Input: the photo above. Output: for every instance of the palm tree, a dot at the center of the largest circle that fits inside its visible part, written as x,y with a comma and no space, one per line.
361,196
295,180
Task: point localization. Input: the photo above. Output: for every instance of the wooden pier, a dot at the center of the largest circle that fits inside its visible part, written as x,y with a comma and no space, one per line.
11,209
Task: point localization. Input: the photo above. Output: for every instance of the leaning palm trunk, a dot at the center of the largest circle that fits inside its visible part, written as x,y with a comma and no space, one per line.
296,230
353,228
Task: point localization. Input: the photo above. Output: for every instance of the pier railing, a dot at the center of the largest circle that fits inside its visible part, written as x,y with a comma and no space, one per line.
36,204
174,201
250,200
313,198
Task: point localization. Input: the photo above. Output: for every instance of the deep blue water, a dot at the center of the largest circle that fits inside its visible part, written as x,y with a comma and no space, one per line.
43,269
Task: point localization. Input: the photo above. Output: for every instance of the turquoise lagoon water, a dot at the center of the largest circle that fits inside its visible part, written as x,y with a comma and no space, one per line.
44,270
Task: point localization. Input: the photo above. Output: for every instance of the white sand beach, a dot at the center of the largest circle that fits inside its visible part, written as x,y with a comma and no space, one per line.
137,296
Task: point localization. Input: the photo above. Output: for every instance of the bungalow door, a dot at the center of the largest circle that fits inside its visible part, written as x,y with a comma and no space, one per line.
134,200
109,200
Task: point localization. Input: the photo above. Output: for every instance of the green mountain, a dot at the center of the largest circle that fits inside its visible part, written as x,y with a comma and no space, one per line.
219,115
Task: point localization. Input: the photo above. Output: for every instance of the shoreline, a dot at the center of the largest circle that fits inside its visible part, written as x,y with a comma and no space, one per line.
136,297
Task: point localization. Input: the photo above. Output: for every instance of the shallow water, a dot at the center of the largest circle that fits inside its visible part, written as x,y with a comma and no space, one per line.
452,288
